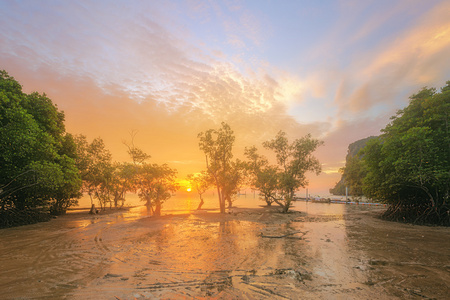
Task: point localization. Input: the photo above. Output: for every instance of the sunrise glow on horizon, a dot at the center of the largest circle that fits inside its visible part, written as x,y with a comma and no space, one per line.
169,70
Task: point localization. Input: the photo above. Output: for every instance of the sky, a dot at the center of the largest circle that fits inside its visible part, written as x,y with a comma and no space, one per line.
167,70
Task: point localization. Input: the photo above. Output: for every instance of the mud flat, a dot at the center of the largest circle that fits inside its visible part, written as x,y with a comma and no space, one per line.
325,251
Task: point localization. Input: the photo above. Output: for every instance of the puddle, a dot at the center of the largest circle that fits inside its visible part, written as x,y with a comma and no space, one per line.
328,251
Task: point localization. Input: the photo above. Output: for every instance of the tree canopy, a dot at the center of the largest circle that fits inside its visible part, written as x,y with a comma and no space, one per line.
408,166
98,172
37,156
224,172
109,181
44,167
352,172
153,183
278,183
201,182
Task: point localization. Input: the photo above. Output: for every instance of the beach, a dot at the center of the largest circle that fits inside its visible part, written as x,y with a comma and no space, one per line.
325,251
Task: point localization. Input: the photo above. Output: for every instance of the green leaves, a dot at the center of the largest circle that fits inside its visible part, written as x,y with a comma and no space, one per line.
36,155
96,168
411,160
278,183
217,146
156,183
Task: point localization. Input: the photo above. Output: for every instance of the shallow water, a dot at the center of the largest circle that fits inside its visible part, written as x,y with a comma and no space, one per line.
189,202
327,251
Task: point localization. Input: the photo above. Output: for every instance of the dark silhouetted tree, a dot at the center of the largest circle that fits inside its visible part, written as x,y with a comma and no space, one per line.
201,182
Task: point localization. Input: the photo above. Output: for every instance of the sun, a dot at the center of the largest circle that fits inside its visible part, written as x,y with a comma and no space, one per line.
188,189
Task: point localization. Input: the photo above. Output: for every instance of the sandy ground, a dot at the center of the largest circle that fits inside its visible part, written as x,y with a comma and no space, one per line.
324,251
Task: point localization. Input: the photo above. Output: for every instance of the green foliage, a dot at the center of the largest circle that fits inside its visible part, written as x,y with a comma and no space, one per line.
109,181
123,181
43,168
352,173
37,157
339,188
352,177
156,184
233,179
263,177
278,183
96,168
226,174
410,164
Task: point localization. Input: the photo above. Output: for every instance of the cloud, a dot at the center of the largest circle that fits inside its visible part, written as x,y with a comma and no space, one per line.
376,17
173,70
358,101
139,56
429,38
231,22
415,58
123,71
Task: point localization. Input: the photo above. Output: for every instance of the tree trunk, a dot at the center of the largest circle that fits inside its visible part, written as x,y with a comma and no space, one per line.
222,207
148,204
157,211
116,199
230,203
278,201
287,205
221,201
201,203
93,210
99,201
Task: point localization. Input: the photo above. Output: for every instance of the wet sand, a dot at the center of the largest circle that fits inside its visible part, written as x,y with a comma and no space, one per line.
325,251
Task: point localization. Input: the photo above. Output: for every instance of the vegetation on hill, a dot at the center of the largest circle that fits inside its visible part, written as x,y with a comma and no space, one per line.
353,188
408,165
